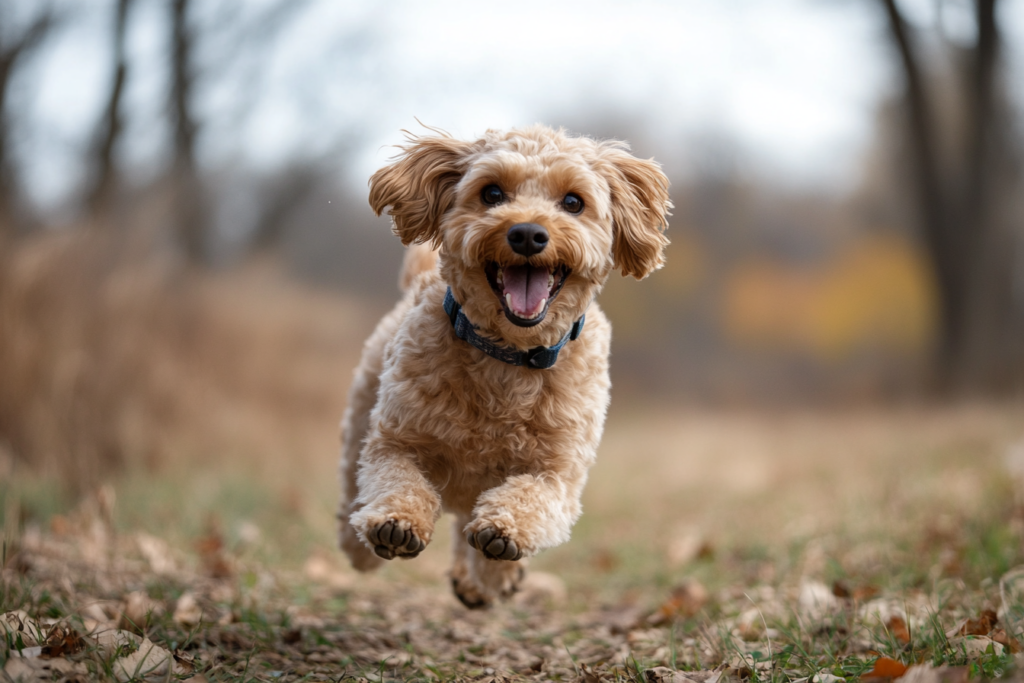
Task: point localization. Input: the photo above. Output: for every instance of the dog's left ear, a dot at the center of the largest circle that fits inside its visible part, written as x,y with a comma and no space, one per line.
640,210
420,186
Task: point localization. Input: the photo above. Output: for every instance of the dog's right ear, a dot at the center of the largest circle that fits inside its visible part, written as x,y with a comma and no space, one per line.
419,186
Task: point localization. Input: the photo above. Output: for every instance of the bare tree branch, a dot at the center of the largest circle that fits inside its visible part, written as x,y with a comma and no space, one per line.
11,55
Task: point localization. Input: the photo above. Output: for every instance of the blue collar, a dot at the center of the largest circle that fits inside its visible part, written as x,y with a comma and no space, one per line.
540,357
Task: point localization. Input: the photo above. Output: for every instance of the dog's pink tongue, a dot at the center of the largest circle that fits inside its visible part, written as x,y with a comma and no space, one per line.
528,286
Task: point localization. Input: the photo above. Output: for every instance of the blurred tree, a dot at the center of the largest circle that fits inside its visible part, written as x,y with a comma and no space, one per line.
106,176
190,216
962,195
16,44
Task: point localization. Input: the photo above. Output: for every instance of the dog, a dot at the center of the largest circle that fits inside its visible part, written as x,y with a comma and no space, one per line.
483,393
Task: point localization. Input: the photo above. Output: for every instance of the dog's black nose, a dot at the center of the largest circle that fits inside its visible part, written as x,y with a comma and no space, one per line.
527,239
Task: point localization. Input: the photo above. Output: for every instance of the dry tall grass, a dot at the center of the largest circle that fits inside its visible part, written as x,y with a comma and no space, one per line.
110,361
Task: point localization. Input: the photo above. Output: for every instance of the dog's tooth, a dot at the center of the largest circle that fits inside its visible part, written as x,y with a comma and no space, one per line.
551,280
508,300
501,277
543,303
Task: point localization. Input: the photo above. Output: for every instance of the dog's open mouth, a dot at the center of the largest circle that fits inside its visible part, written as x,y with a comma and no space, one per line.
526,291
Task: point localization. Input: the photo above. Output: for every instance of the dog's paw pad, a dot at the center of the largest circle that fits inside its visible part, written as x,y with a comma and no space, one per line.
494,545
470,598
390,540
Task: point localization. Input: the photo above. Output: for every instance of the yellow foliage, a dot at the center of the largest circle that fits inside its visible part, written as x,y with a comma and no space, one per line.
876,294
635,308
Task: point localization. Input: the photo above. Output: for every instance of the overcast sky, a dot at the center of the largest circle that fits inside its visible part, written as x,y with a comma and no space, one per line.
795,83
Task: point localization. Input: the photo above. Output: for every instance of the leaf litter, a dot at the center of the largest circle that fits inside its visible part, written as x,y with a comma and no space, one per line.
943,603
74,614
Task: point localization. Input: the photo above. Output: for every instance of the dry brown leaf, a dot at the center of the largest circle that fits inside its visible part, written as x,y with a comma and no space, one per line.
816,599
862,593
663,674
137,610
687,546
26,670
1003,638
886,668
587,675
114,641
926,673
975,646
157,553
898,628
604,560
20,625
187,611
687,599
149,662
841,590
62,640
212,553
981,626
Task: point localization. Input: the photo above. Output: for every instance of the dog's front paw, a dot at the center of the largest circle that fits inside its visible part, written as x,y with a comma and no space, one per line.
390,540
494,544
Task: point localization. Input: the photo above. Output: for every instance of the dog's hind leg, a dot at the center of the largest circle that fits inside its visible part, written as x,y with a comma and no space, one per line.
476,581
355,424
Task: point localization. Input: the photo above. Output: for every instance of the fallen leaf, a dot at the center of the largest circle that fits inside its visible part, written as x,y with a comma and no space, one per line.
827,676
898,628
816,599
113,642
862,593
975,646
21,627
841,590
604,560
1006,640
212,552
688,545
187,611
981,626
587,675
663,674
137,610
886,668
157,553
686,600
62,640
926,673
26,670
150,661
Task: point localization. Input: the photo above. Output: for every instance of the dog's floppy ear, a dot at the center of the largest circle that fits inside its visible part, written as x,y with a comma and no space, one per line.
419,186
640,210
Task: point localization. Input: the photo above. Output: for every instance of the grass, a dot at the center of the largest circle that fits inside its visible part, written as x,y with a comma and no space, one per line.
923,527
773,546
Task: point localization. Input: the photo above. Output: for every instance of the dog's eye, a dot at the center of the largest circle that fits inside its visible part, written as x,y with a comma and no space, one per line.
572,203
492,195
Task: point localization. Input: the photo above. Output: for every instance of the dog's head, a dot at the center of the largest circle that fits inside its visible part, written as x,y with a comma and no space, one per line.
529,222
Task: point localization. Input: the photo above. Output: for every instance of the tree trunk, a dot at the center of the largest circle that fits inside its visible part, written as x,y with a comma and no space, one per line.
107,176
968,240
10,55
189,201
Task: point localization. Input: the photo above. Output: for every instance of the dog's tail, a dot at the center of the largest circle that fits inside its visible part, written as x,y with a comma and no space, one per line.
419,259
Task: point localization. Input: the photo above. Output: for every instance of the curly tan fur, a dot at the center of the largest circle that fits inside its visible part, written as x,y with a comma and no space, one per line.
433,424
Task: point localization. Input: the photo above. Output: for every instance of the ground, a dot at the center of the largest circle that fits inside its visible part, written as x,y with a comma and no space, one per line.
754,545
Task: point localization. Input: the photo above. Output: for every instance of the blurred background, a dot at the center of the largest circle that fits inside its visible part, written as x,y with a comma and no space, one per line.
188,264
